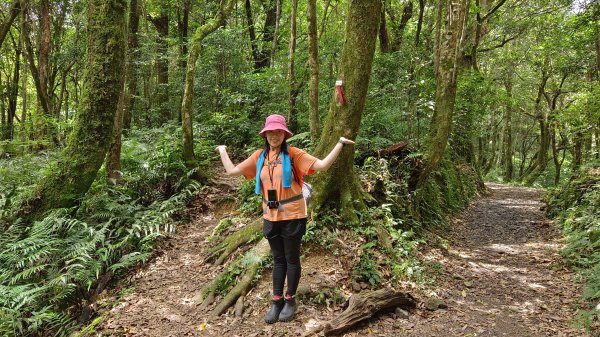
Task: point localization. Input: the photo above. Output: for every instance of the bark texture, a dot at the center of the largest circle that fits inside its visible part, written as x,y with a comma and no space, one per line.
339,188
451,17
76,169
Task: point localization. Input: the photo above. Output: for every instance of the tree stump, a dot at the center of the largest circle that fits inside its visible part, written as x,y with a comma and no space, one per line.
364,305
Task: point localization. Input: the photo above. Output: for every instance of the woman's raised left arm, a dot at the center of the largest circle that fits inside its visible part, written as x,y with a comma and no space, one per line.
325,163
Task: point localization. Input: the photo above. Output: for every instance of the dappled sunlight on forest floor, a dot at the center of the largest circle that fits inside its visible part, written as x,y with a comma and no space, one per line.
501,275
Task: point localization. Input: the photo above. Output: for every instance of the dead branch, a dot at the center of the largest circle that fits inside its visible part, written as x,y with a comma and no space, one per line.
363,306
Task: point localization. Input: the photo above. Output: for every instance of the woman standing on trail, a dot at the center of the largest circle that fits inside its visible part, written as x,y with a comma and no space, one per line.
279,180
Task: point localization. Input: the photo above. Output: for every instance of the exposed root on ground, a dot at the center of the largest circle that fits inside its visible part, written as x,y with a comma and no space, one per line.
251,262
231,243
247,266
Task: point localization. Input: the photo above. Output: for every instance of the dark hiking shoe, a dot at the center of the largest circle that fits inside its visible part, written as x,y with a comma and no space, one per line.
273,315
288,311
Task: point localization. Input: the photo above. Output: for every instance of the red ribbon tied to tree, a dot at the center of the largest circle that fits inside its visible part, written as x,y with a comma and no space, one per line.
338,85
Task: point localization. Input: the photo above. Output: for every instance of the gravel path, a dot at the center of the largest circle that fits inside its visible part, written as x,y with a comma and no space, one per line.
501,275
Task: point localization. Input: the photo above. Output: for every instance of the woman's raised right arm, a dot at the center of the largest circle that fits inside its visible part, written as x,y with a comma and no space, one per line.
230,169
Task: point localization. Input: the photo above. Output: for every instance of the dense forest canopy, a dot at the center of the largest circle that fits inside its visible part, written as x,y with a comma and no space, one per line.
110,111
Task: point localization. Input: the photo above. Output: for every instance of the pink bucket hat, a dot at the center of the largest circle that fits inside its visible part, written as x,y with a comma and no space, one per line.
275,122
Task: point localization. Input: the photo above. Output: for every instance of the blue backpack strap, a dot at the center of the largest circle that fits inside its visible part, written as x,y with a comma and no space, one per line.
259,165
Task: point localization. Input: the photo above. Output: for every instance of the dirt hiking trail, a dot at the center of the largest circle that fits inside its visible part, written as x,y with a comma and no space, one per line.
500,275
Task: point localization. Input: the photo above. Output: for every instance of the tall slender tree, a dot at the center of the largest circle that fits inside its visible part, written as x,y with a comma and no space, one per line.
293,89
451,17
188,94
313,63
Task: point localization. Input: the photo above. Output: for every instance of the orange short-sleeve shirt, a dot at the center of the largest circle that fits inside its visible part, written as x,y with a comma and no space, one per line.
271,177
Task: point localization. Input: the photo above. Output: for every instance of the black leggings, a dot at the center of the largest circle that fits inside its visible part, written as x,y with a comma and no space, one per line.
285,238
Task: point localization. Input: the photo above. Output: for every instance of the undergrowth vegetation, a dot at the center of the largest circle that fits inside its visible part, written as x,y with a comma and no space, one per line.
576,205
391,229
50,267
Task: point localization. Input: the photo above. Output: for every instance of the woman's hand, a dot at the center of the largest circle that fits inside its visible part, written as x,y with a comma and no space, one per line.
230,169
220,148
346,141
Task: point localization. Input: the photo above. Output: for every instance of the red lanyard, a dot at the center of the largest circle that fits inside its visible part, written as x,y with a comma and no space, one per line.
271,167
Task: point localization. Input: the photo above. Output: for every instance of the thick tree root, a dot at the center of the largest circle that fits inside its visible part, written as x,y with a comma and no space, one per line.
239,306
251,262
235,240
363,306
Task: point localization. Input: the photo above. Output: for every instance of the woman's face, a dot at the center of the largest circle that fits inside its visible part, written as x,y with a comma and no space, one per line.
275,138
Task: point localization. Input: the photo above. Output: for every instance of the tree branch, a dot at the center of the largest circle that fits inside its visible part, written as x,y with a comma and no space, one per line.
493,10
501,44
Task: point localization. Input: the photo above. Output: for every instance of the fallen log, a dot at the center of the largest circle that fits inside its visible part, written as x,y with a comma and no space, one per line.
362,306
394,150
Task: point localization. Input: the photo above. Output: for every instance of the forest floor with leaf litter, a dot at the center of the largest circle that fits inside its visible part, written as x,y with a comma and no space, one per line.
501,275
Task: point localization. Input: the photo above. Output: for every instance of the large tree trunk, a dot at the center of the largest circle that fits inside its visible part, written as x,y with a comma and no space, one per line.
339,187
71,176
132,55
313,62
507,152
451,17
188,93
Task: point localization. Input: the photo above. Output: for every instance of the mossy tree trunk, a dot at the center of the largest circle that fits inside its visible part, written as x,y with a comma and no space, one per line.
339,187
190,76
451,17
71,176
313,62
